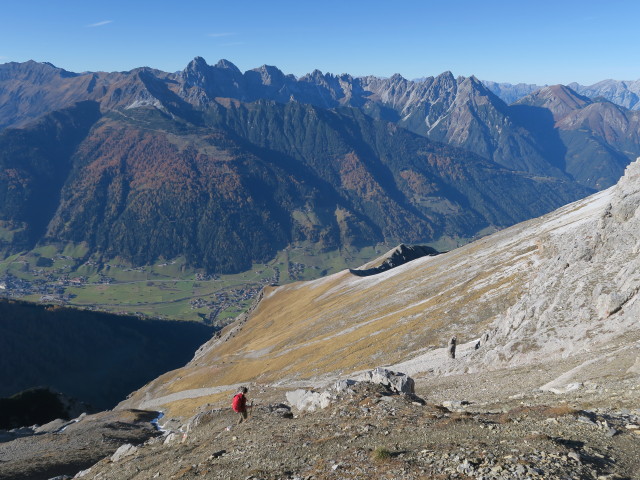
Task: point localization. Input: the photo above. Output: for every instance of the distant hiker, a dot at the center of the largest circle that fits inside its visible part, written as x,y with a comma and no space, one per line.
452,347
239,405
482,341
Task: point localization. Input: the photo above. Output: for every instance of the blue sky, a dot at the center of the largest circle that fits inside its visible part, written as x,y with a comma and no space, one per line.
542,42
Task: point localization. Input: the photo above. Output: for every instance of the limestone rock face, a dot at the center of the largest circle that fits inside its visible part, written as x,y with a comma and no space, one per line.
585,289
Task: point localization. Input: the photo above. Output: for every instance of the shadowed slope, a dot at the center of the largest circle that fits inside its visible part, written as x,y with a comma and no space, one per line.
260,176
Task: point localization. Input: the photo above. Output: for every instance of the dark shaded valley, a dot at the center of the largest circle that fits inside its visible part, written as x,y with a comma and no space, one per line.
94,357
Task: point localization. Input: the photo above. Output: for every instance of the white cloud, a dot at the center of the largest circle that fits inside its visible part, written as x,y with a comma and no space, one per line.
218,35
99,24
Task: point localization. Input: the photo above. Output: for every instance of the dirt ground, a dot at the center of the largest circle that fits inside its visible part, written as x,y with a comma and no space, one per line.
491,426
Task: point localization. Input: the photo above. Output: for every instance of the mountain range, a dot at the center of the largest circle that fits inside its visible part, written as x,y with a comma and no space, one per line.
225,168
621,92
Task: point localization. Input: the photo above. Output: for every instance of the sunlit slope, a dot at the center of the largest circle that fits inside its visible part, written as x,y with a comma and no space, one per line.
344,323
542,290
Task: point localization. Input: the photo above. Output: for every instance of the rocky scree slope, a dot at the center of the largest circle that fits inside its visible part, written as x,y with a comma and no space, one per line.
584,294
557,290
369,432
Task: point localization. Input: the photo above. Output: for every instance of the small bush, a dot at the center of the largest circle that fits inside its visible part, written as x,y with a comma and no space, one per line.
381,454
504,418
560,411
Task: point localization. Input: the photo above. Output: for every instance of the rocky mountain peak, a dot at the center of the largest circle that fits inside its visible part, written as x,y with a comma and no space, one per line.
559,99
442,88
397,78
316,77
196,71
445,78
38,73
470,85
471,93
198,63
269,75
623,93
227,65
474,80
221,80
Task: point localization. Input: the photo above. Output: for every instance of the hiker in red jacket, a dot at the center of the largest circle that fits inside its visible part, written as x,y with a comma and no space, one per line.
240,404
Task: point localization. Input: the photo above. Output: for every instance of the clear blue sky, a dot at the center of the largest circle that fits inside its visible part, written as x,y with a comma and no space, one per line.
542,42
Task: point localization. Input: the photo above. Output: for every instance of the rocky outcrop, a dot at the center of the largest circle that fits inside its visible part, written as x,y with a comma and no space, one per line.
394,258
372,434
309,400
394,382
397,382
123,451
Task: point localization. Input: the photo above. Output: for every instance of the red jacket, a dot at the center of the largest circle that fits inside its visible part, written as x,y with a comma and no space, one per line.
239,403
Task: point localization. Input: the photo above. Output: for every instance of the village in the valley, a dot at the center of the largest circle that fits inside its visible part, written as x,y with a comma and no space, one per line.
61,286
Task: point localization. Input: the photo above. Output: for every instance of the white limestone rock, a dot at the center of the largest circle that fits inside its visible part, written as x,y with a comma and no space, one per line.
396,381
308,400
123,451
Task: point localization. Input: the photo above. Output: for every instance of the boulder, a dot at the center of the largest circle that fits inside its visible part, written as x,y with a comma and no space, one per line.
344,385
123,451
396,381
279,410
53,426
172,437
455,405
83,473
308,400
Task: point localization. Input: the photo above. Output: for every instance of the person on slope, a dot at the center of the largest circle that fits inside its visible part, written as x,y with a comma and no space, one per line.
239,404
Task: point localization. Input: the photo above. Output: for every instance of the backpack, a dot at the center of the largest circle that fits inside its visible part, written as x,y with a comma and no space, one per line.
238,403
